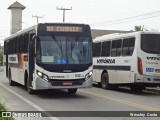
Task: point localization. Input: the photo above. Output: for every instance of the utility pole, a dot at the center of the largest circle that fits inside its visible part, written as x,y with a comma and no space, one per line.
64,9
37,17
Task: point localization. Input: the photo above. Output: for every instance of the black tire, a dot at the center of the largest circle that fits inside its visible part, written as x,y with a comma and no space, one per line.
29,89
11,82
105,81
72,91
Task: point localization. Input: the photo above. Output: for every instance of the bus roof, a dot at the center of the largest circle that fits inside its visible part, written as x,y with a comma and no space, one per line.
122,35
20,32
35,26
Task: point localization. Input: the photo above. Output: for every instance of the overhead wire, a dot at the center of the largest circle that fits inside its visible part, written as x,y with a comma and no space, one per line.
128,19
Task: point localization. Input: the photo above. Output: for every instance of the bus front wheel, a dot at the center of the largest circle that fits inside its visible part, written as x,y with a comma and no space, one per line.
72,91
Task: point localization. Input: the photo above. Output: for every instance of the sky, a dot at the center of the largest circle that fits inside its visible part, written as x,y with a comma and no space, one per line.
99,14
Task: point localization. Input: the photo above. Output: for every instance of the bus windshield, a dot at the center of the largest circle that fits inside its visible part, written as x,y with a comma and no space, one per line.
64,50
150,43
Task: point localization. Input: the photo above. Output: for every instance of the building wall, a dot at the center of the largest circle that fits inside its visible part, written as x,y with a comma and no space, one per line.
16,20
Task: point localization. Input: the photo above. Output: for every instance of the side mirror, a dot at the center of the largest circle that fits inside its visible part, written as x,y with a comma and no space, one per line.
33,37
32,44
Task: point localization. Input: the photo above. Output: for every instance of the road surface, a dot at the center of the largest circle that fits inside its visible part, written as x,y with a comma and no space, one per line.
16,98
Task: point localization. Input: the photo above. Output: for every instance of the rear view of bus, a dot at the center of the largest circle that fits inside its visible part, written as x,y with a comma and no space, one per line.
148,59
131,59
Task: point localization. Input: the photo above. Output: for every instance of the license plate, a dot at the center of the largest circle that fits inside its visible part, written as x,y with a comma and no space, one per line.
67,83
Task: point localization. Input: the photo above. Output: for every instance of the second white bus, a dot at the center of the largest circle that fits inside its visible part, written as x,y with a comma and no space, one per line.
131,59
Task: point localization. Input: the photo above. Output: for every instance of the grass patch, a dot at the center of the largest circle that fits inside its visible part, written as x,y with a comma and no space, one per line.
3,109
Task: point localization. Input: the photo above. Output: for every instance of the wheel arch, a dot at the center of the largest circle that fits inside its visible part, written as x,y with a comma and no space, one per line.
104,71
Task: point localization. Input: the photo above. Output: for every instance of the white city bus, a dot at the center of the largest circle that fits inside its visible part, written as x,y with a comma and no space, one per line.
50,56
131,59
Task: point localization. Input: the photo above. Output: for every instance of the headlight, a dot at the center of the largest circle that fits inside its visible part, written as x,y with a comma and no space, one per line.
88,75
42,75
39,74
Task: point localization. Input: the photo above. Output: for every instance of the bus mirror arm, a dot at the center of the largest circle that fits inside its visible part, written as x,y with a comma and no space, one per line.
32,44
33,38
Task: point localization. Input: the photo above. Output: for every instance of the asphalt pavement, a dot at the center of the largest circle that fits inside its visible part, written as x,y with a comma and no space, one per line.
95,99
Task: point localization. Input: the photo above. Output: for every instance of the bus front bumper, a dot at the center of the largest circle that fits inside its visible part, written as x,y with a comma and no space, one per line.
41,84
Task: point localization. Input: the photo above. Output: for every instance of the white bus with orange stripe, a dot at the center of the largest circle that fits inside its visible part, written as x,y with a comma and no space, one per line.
50,56
131,59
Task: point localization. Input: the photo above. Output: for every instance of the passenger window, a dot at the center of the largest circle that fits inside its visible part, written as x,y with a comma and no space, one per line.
128,46
116,48
96,49
21,44
125,47
106,48
113,49
26,40
14,46
119,48
131,45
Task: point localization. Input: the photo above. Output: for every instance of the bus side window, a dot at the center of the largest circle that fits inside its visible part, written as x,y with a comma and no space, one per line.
11,46
106,48
96,49
113,49
14,45
125,51
119,47
26,40
128,46
18,44
131,45
21,44
116,48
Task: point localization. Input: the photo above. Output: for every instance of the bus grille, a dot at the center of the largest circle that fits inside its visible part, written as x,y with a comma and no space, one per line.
156,79
61,82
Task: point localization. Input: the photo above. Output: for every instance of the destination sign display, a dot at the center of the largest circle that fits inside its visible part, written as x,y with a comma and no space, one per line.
63,29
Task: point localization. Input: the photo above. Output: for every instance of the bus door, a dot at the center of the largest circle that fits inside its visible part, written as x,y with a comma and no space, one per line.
31,58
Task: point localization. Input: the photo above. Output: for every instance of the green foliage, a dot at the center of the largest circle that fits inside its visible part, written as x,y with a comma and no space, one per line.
140,28
6,118
3,109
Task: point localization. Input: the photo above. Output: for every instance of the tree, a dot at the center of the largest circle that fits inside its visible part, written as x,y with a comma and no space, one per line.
139,28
